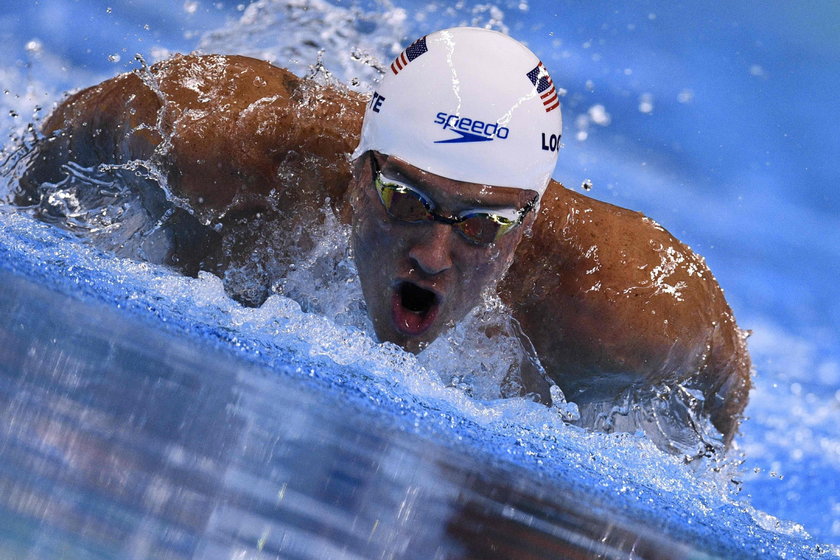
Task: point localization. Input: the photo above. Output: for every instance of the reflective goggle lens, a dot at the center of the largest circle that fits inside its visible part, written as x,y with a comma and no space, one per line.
404,204
484,228
408,205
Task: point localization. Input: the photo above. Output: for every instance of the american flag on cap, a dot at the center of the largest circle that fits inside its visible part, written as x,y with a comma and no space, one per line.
545,87
411,52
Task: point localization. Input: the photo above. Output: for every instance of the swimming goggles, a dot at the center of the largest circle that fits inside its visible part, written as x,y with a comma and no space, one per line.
407,204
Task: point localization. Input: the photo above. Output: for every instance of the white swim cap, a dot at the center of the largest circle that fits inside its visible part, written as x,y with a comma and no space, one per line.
468,104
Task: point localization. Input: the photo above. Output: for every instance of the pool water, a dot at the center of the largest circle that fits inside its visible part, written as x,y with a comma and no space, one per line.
123,441
147,415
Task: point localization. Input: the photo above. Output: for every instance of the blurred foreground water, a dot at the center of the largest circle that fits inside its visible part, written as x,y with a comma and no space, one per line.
123,441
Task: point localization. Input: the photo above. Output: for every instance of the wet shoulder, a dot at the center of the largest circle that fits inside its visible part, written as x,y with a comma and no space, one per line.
246,127
600,288
606,249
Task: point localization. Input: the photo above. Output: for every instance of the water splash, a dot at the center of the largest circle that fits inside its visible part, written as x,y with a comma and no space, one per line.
299,34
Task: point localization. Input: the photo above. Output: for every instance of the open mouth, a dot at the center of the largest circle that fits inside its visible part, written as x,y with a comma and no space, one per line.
414,308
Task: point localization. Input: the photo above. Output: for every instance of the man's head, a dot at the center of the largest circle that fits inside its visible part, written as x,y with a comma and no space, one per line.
459,142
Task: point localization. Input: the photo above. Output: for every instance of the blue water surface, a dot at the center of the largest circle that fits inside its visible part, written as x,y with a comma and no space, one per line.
713,120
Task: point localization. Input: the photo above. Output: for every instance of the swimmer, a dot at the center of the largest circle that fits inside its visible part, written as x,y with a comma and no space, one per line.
444,173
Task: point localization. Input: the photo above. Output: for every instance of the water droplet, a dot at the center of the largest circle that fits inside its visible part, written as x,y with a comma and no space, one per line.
190,7
685,96
114,57
147,27
586,185
34,46
598,114
646,103
108,10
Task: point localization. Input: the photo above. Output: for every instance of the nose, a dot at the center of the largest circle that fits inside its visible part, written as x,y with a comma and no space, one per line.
433,252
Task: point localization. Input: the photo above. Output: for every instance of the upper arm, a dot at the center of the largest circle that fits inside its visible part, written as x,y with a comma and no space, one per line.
604,291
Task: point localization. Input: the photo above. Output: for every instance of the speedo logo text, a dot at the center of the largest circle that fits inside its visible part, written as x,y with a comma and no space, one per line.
469,130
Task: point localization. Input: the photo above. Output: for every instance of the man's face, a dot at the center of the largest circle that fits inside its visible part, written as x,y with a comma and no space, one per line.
421,278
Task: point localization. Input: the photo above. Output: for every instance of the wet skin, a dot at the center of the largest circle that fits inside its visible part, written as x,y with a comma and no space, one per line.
608,298
394,258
